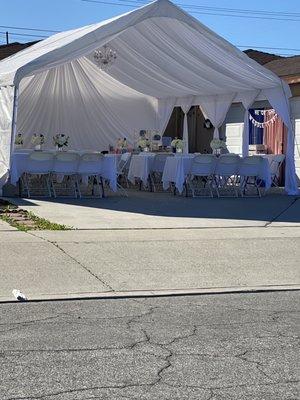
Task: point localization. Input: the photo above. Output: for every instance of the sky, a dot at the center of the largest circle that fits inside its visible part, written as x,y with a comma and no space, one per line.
243,31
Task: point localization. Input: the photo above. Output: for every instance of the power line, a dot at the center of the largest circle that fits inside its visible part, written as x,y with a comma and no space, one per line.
226,9
266,47
28,29
24,34
265,15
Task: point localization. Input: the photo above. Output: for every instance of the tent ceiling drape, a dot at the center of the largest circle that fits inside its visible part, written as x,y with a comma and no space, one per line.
163,53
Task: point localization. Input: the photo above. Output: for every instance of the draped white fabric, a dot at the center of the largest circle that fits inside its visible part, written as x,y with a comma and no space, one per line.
164,112
280,103
162,54
216,108
82,101
6,113
185,106
248,99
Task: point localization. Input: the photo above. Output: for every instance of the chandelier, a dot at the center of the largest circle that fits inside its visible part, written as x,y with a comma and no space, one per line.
105,57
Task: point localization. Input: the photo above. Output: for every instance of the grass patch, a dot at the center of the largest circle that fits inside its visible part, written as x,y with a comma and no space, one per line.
27,221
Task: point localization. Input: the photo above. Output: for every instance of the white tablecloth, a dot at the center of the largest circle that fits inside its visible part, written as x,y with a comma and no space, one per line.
177,169
140,167
265,174
109,168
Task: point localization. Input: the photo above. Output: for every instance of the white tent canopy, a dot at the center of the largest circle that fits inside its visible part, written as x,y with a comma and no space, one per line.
165,58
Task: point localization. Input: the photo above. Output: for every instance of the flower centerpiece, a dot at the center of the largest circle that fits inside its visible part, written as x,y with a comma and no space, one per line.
177,145
38,141
122,145
61,140
19,140
143,142
217,145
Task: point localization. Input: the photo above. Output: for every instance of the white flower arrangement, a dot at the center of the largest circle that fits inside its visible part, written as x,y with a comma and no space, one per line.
217,144
38,140
19,139
122,144
177,144
143,143
61,140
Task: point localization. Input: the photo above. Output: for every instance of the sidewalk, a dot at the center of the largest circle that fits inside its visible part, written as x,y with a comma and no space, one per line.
76,264
153,242
144,210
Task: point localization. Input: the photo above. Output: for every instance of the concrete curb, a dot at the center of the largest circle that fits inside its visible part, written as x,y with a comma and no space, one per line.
155,293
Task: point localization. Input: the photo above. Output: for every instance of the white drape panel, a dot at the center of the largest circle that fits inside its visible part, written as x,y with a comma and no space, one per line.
82,101
164,111
247,99
6,113
216,108
279,101
185,106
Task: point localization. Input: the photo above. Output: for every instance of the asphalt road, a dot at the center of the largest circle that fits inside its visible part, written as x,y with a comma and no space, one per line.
211,347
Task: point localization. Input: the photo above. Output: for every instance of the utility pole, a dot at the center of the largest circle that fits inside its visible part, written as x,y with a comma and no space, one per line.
7,40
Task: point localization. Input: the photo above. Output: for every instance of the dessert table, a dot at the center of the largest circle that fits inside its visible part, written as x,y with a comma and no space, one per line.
20,160
140,167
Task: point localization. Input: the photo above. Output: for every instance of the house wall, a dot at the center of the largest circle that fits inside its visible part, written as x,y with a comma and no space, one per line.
295,109
234,124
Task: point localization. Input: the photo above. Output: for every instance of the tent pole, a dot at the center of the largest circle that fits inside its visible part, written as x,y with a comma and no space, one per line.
14,119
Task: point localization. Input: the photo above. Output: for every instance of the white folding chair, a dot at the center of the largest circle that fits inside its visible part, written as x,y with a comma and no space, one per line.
157,169
275,167
39,164
249,171
91,167
202,172
66,164
226,173
122,171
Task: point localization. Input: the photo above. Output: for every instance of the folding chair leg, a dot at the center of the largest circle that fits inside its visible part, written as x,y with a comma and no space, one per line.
26,184
102,186
122,190
77,187
52,186
48,185
190,185
151,183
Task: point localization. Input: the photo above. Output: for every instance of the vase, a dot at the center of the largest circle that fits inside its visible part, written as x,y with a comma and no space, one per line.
38,147
217,152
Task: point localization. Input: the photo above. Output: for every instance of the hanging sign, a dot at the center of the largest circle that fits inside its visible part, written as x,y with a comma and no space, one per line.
265,123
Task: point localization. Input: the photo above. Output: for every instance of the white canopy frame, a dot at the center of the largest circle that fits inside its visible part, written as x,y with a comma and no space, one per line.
165,58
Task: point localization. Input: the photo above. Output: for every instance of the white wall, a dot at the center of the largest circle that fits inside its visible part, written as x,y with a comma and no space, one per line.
234,125
295,108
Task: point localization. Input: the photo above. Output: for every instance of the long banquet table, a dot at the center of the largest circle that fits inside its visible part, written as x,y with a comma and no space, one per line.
177,169
20,160
140,167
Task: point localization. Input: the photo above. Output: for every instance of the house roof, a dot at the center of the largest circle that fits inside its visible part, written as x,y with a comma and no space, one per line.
261,57
287,68
7,50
